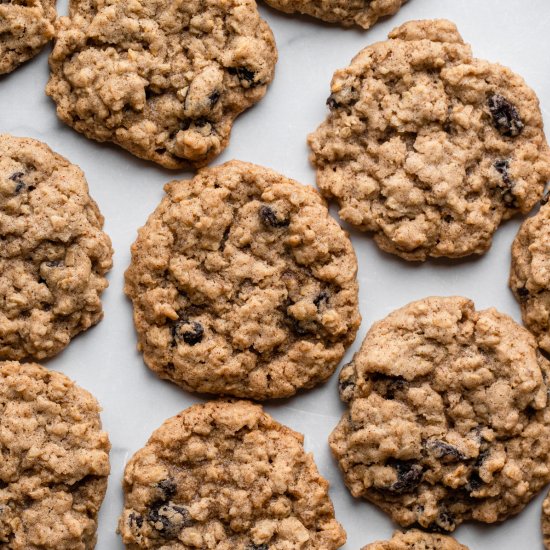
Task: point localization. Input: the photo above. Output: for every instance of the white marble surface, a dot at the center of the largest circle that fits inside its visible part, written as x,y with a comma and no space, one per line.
105,361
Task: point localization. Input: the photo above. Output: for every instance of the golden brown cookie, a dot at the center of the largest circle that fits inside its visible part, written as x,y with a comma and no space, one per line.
448,416
55,461
164,79
429,148
242,284
226,475
416,540
53,252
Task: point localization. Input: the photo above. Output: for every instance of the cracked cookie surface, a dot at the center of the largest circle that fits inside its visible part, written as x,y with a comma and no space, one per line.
53,251
55,461
530,274
448,416
416,540
242,284
26,26
346,12
226,476
429,148
163,79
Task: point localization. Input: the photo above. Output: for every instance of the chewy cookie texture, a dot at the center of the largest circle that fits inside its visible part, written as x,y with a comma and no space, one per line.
416,540
53,251
25,27
163,78
225,475
530,274
346,12
448,416
242,284
427,147
55,461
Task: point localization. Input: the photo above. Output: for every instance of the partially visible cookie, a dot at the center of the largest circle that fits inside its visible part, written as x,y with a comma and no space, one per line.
429,148
530,274
25,27
545,521
416,540
448,416
242,284
163,79
53,251
346,12
55,461
225,475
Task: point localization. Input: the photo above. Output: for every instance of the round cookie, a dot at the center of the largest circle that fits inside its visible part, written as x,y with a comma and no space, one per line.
226,475
416,540
242,284
545,521
163,79
345,12
530,274
25,28
448,416
53,252
55,461
428,148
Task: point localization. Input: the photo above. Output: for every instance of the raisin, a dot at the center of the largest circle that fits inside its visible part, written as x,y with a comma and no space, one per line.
506,117
409,476
169,519
445,522
321,299
523,293
474,482
445,451
243,73
332,103
135,519
54,263
257,547
268,216
16,177
191,332
201,122
168,488
502,167
185,124
214,97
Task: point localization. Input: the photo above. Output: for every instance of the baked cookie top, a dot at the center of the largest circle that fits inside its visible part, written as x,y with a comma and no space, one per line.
428,148
25,27
226,475
162,78
55,461
345,12
242,284
530,274
448,415
416,540
53,252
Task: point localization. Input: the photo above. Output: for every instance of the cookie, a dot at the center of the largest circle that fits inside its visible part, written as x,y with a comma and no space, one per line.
53,252
55,461
225,475
429,148
448,416
345,12
25,28
163,79
416,540
545,521
242,284
530,274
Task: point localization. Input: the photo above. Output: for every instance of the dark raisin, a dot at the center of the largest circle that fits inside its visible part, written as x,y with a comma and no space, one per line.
474,482
168,519
257,547
168,488
54,263
444,451
506,117
201,122
191,332
268,216
445,522
321,299
409,476
135,519
448,218
185,124
332,103
502,167
16,177
243,73
523,293
214,97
